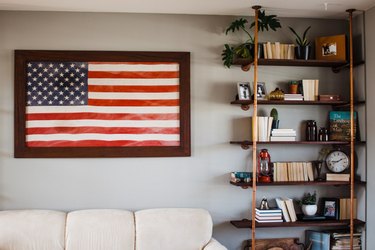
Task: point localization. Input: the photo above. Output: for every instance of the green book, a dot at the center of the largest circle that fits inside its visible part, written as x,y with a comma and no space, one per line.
339,125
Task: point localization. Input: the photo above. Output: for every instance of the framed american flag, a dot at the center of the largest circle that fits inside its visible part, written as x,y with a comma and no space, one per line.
102,104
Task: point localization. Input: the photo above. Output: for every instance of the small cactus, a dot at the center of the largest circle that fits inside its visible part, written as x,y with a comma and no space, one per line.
274,114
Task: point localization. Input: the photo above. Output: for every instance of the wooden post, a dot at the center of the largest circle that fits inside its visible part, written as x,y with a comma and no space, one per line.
255,127
350,11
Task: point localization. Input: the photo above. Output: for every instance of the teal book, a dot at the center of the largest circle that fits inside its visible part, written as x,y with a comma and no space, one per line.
317,240
339,125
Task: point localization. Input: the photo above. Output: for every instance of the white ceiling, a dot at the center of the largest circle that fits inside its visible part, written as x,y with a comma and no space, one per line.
290,8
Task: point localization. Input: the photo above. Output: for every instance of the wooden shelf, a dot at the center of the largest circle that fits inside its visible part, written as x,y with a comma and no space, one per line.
297,183
295,62
249,143
282,102
245,223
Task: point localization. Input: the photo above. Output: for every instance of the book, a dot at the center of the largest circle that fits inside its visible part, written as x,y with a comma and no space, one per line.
339,125
282,138
281,204
268,211
316,240
337,177
291,210
267,221
259,217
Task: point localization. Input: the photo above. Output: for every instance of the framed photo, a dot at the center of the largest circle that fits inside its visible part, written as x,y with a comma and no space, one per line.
261,91
101,104
244,92
330,208
330,48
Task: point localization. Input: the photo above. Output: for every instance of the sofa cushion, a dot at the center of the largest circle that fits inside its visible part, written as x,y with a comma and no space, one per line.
32,230
172,228
100,229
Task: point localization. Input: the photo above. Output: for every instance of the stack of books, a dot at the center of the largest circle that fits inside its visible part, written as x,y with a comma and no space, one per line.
269,215
293,97
337,177
341,241
283,134
287,208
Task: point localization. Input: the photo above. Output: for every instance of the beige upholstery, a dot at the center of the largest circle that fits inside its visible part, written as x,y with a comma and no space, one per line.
171,229
100,230
32,230
107,229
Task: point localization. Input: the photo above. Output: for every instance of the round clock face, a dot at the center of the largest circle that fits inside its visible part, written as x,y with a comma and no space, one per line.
337,161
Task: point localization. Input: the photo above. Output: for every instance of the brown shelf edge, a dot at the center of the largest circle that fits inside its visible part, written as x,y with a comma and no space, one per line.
245,223
297,183
283,102
293,142
293,62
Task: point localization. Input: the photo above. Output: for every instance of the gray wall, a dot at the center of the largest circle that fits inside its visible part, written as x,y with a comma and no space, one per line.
127,183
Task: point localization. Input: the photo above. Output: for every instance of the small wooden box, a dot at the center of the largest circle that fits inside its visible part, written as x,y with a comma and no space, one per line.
329,98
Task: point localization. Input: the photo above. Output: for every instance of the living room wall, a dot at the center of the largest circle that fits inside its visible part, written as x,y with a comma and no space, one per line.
140,183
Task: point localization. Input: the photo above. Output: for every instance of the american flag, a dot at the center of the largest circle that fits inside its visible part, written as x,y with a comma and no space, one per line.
102,104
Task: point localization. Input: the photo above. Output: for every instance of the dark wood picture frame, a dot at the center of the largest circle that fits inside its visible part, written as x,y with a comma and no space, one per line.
22,57
330,208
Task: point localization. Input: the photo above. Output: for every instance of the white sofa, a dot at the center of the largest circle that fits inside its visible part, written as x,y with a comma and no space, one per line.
107,229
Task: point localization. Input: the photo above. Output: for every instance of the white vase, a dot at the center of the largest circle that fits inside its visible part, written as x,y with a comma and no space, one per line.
309,210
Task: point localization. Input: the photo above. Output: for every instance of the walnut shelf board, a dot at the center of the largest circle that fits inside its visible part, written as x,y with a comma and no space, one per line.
295,62
322,223
298,183
283,102
293,142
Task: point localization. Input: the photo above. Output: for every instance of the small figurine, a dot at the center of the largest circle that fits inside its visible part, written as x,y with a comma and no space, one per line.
264,204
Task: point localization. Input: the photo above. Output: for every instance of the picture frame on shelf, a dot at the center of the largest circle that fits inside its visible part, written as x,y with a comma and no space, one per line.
330,208
261,90
244,91
330,48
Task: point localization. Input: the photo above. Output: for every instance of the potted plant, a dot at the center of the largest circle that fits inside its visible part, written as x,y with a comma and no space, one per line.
293,87
245,50
308,204
302,51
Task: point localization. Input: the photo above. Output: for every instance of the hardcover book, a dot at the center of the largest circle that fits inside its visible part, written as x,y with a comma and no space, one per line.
316,240
339,125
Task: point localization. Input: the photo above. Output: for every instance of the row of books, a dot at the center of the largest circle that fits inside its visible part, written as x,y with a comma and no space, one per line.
278,50
283,134
287,208
293,171
310,89
344,208
267,216
332,240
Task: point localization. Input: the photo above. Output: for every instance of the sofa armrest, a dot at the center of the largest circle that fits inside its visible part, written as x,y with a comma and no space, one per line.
214,245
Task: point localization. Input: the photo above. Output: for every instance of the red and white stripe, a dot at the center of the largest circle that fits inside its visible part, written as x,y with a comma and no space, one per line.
129,104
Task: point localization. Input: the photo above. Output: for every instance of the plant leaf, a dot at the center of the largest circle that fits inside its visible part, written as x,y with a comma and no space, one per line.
236,25
227,55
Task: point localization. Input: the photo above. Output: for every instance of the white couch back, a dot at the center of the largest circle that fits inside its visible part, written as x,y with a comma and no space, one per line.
105,229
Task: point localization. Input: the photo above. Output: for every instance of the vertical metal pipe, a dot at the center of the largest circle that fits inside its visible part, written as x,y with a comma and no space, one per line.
255,127
350,11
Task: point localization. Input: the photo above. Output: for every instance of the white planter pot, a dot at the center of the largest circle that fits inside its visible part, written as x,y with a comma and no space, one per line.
309,210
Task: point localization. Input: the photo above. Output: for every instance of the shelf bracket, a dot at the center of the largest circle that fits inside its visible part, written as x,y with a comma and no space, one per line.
245,146
245,107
